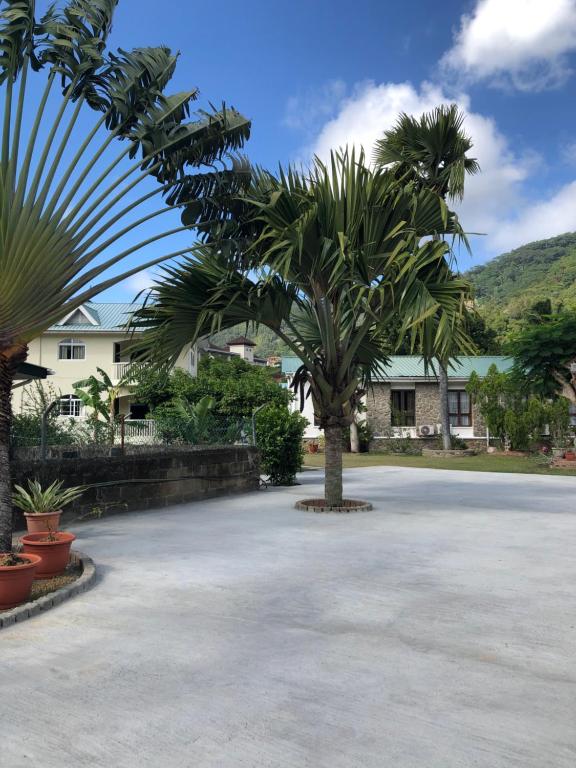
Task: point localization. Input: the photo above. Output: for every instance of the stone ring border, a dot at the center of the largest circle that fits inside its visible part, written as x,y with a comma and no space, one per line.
44,603
354,505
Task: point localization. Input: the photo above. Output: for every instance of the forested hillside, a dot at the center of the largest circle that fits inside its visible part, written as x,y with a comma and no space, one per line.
509,286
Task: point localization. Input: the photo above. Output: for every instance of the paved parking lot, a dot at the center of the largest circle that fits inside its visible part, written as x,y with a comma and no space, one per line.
437,631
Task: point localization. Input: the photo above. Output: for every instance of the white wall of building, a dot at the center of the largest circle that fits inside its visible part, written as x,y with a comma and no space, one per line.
99,353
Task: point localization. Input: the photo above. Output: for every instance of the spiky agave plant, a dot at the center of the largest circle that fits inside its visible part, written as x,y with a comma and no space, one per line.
67,198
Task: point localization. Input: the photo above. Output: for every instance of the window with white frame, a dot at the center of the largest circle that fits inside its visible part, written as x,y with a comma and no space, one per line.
71,406
71,349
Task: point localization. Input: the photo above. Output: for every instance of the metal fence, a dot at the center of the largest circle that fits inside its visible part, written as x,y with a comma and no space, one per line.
34,438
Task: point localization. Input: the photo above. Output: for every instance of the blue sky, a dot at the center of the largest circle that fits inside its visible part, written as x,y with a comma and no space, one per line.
317,74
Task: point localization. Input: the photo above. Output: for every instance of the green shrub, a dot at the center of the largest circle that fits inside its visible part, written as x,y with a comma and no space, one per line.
236,386
279,436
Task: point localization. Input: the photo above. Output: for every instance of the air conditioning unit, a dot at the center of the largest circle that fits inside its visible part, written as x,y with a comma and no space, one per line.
426,430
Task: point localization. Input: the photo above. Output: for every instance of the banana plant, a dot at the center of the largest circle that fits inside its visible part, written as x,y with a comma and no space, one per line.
100,394
328,259
83,166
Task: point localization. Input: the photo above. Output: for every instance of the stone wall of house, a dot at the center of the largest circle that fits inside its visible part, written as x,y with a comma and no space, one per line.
148,480
427,404
378,409
378,403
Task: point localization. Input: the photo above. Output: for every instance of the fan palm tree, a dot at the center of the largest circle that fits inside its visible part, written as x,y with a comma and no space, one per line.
66,198
432,151
326,259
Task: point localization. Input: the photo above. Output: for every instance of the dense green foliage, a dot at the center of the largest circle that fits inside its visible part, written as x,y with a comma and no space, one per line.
237,387
514,417
180,421
545,351
510,289
279,436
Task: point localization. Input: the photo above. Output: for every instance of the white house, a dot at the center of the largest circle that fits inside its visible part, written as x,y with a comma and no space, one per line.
92,336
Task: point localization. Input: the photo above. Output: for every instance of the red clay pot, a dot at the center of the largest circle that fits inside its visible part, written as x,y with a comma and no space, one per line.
42,521
16,581
54,554
570,456
312,447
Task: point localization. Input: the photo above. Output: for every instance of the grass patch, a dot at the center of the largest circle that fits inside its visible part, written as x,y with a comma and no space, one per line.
483,462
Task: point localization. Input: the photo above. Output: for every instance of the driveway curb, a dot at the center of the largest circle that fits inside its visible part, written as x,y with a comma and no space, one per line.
44,603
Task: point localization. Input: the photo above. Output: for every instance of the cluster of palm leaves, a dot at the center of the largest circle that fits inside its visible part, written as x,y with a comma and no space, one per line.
328,259
70,193
61,217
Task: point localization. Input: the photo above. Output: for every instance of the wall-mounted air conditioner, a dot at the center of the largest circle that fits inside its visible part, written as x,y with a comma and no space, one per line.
426,430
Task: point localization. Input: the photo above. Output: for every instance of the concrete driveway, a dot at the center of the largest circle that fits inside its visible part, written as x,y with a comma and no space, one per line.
437,631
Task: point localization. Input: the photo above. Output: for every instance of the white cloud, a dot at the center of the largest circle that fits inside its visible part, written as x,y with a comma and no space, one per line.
569,153
304,111
141,281
537,221
491,196
522,42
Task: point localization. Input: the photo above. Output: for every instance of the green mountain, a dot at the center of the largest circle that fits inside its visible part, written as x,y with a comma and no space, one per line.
508,287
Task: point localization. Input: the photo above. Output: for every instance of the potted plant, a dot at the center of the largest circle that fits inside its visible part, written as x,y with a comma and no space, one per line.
17,571
312,447
570,455
53,548
42,507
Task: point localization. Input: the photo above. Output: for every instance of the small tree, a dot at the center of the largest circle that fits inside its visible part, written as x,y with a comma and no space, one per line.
279,435
544,353
515,418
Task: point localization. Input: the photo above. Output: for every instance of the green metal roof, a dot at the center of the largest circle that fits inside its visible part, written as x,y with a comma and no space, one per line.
109,316
412,366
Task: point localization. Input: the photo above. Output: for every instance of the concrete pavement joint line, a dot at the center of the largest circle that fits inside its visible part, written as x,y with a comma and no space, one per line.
44,603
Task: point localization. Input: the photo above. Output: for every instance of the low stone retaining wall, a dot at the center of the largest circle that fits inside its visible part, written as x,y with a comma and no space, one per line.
145,481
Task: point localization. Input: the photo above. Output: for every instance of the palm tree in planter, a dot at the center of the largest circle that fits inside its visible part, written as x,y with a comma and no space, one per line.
432,151
67,197
326,259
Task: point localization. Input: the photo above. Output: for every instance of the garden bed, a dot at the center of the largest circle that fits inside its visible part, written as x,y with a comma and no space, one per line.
48,593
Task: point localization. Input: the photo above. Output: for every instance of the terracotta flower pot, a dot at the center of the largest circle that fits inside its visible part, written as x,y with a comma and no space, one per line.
16,581
312,447
570,456
54,554
42,521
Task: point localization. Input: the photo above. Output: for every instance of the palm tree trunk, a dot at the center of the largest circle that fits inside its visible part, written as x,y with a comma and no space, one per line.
333,470
354,438
8,367
444,406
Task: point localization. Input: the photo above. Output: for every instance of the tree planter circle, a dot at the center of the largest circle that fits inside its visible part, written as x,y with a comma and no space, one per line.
16,581
54,554
348,505
42,522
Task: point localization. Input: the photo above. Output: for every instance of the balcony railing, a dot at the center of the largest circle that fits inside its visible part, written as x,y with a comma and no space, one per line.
120,370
